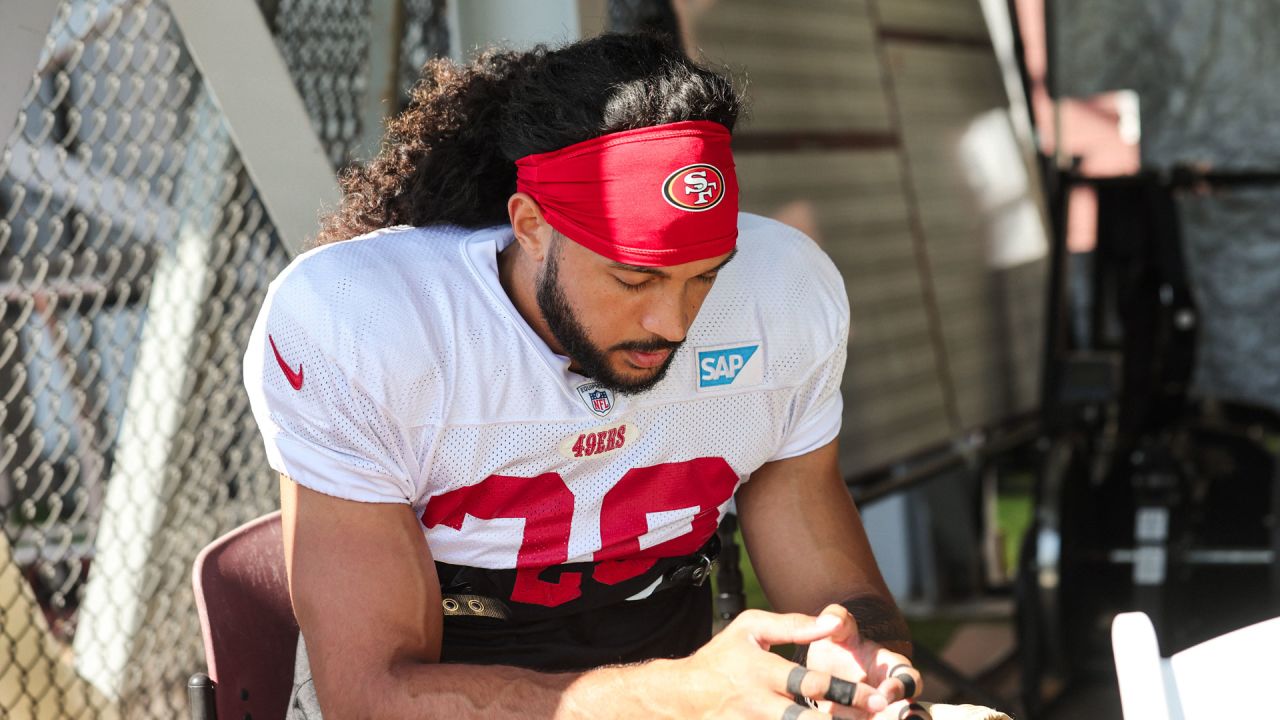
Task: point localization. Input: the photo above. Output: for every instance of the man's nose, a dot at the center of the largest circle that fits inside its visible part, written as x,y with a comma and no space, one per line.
667,316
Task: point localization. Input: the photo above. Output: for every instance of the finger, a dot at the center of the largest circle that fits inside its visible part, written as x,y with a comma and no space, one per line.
769,629
847,629
884,664
817,685
840,712
904,682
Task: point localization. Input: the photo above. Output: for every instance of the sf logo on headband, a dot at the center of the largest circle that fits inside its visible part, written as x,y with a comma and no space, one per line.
694,187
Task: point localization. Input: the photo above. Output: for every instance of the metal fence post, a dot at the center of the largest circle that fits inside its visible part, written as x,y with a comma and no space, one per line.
383,94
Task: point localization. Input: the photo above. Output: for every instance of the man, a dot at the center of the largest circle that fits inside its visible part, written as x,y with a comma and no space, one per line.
517,387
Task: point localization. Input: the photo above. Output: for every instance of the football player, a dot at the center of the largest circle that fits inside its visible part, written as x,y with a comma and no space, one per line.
535,357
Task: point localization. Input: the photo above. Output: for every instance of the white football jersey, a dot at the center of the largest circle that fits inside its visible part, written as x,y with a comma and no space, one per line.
393,368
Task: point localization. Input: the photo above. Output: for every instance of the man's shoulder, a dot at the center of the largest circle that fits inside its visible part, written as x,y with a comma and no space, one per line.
776,314
377,305
782,280
778,253
380,275
377,262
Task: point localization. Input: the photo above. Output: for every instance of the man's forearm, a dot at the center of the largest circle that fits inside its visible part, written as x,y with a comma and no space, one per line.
423,690
733,675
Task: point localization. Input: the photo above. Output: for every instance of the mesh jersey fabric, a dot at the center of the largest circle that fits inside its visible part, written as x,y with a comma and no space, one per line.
393,368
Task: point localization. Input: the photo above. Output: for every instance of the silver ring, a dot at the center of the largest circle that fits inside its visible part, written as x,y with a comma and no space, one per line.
450,604
793,712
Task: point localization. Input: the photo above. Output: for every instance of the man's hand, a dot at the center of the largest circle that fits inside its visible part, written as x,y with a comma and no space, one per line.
808,547
846,654
735,675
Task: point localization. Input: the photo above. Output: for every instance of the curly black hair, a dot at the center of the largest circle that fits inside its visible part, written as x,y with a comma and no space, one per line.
450,157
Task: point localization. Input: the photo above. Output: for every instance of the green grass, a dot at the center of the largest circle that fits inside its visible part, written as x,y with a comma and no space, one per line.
1014,513
933,633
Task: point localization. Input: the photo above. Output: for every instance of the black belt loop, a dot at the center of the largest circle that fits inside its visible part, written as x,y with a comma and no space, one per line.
694,569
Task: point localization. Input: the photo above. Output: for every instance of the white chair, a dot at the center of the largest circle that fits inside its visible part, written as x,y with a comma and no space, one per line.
1225,677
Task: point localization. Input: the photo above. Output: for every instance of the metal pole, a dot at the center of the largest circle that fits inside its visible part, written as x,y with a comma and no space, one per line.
380,101
1057,191
202,698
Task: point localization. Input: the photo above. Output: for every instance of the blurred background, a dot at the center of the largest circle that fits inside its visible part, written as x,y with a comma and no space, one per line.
1053,220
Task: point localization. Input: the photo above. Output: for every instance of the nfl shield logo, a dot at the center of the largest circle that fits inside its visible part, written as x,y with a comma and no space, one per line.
598,398
600,401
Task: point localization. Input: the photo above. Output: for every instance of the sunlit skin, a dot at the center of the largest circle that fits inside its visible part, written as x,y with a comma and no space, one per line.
632,317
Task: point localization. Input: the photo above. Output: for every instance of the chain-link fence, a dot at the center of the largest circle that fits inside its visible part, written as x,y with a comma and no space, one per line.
134,253
425,35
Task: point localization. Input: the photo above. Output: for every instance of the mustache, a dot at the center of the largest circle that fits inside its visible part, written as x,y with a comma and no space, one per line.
649,345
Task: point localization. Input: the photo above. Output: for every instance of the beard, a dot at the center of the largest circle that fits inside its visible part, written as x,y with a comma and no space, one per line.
572,336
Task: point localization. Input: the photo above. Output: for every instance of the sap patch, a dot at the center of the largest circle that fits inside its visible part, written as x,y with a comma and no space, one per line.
729,366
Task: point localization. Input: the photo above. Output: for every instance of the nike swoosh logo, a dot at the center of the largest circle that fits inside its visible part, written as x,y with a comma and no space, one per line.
295,378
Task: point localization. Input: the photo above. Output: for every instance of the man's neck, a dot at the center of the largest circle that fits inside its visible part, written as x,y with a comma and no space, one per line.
517,275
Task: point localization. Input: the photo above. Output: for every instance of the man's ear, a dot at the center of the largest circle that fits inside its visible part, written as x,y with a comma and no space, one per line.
532,231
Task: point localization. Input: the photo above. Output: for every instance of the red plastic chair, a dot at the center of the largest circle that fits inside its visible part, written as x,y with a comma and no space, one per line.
246,618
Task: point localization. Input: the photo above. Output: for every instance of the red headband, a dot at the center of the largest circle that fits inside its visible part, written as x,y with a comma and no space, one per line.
656,196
